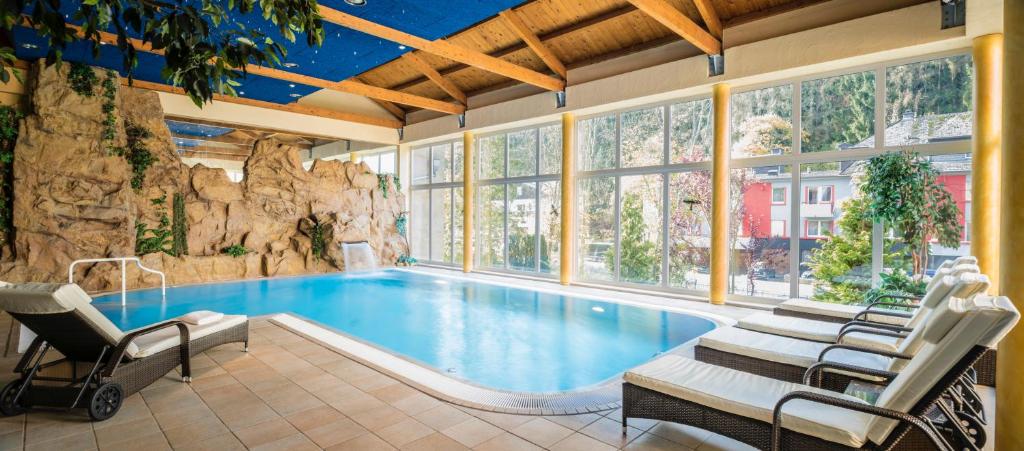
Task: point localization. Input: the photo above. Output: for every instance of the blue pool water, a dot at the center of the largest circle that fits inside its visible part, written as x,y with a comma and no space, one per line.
492,335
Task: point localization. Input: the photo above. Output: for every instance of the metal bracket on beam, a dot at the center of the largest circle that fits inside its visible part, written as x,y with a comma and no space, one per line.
716,65
954,13
560,99
401,133
462,120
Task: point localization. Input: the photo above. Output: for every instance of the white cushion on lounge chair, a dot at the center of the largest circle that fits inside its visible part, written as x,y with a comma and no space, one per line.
791,326
786,350
170,337
49,298
751,396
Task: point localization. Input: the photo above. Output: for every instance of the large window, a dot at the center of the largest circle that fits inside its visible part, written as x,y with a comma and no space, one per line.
383,162
519,200
643,201
435,233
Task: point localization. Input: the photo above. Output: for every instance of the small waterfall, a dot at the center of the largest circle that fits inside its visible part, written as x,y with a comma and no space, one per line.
358,256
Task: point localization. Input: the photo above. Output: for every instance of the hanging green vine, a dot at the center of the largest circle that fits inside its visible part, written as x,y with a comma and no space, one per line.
383,183
406,260
148,241
316,237
9,120
235,250
137,154
401,221
398,182
82,79
179,226
109,119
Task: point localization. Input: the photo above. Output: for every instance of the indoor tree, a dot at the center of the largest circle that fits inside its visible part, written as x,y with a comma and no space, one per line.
204,43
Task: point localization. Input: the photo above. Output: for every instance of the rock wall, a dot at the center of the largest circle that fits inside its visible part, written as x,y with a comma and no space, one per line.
73,200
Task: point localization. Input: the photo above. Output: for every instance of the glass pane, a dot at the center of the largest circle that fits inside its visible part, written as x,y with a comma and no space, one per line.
522,153
491,244
372,162
762,122
387,163
551,149
420,166
955,177
835,235
441,163
419,222
760,262
643,137
457,225
838,113
597,143
597,228
692,132
522,226
689,230
640,229
928,101
492,157
457,161
441,225
550,226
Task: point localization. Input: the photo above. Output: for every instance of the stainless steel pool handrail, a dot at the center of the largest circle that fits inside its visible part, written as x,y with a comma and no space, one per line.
124,278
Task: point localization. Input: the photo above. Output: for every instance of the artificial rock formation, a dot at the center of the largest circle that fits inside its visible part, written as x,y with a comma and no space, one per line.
73,200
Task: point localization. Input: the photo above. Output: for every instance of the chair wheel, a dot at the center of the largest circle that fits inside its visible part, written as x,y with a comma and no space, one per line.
105,401
7,405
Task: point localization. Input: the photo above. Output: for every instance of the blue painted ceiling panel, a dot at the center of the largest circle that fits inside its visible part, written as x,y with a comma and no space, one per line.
345,53
199,130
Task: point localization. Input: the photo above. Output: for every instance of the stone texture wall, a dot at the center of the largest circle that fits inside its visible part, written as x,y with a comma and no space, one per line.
73,200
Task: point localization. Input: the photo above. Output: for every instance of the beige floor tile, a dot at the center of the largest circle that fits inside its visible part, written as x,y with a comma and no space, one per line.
542,432
378,417
202,428
580,442
289,404
357,403
13,440
75,442
265,432
41,428
365,442
442,417
294,442
213,382
507,442
435,442
315,417
176,418
417,403
717,442
247,416
373,382
393,393
335,432
404,432
472,432
610,431
651,442
688,436
503,420
126,431
150,442
574,422
224,442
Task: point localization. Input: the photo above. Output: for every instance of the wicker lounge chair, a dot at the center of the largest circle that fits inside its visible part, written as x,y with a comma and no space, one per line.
788,359
772,414
99,365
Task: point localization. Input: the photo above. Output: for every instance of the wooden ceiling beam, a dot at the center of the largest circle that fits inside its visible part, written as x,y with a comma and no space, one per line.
435,77
349,86
710,16
517,24
291,107
680,24
444,49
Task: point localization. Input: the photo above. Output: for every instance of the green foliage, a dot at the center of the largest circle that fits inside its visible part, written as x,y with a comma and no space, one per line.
640,260
188,34
179,226
236,250
837,110
82,79
157,239
9,120
137,154
937,86
316,237
405,260
383,183
402,222
903,191
898,282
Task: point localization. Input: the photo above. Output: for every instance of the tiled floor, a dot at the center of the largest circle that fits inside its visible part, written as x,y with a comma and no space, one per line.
290,393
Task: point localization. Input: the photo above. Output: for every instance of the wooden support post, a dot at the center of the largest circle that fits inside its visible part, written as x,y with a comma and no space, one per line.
987,142
720,195
468,201
567,260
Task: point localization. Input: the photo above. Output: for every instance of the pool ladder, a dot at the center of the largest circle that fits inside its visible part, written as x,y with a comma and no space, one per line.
124,278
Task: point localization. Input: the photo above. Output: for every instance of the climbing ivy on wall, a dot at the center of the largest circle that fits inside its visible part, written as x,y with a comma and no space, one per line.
83,80
401,221
383,183
9,119
137,154
179,226
316,237
158,239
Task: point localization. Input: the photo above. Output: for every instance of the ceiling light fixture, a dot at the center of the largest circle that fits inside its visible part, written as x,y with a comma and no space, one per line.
295,95
401,47
291,85
290,65
29,46
356,2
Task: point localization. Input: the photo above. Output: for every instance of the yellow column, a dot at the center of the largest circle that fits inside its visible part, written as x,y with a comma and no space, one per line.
987,142
720,195
568,197
354,157
467,201
1009,390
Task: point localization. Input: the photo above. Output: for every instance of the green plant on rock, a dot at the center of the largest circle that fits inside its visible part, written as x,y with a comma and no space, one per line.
9,120
236,250
158,239
383,182
137,154
898,282
82,79
179,226
316,238
401,222
406,260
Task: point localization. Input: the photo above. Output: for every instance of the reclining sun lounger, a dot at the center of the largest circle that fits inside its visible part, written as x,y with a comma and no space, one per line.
842,313
99,365
788,359
772,414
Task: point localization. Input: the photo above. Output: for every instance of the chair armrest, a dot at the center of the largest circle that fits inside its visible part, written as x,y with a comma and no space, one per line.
872,324
817,368
870,331
863,316
895,355
893,296
122,346
848,405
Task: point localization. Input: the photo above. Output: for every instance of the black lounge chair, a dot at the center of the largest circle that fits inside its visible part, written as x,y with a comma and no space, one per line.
99,365
772,414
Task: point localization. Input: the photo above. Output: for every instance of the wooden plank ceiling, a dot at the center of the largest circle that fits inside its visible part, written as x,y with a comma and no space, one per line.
576,33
